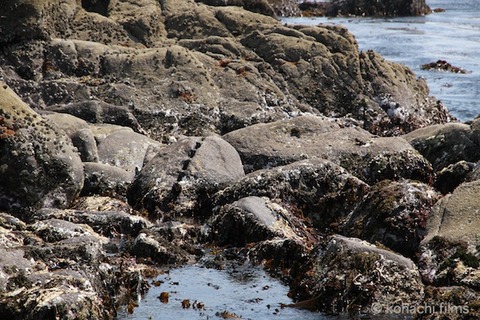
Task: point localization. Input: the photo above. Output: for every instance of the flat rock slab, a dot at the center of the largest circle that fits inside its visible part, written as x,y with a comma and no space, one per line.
369,157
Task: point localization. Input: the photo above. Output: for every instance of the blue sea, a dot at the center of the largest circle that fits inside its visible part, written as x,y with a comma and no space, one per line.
453,35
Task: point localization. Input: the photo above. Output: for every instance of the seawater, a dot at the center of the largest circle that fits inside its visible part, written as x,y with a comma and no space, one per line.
453,35
246,291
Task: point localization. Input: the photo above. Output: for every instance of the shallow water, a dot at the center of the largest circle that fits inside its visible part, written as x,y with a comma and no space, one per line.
246,292
453,35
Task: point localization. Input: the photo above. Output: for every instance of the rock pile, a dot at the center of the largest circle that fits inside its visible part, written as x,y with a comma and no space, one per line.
137,135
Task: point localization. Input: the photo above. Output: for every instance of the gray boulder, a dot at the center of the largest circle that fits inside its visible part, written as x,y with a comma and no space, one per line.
39,167
446,144
319,190
351,275
79,132
183,176
151,246
393,213
449,252
252,219
126,150
368,157
105,180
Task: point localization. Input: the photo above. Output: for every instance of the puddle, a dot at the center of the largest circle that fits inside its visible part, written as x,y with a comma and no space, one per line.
248,293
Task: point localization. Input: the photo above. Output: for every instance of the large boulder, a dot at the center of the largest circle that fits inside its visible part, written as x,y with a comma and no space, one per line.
318,190
351,275
126,150
181,178
393,213
252,219
449,252
370,158
39,166
365,8
446,144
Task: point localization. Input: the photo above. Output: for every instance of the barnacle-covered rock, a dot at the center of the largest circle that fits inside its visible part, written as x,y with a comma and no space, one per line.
319,190
351,275
393,213
38,164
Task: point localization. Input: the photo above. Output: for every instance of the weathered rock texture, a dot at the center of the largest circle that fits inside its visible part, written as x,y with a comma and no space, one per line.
367,156
165,105
394,214
450,249
38,165
181,178
349,275
315,189
182,67
365,8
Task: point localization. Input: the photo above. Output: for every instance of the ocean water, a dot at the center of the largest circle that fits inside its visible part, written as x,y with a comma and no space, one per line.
242,293
453,35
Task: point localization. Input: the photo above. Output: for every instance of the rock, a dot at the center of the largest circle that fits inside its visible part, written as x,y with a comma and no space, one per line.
394,214
257,6
79,132
318,190
370,158
69,296
39,165
141,18
229,17
126,150
107,223
350,275
53,230
181,178
102,203
453,175
252,219
462,302
446,144
285,8
365,8
188,20
150,245
442,65
385,96
449,251
100,112
105,180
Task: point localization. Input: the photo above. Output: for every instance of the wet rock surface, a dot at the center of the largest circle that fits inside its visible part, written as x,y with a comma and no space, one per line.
137,136
335,8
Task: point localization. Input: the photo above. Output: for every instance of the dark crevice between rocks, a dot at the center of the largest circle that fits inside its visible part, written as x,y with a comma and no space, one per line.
96,6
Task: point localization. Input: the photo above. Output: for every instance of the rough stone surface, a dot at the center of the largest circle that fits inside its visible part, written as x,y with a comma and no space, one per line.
252,219
79,132
126,150
455,174
105,180
370,158
447,144
393,214
181,178
319,190
349,275
38,164
449,252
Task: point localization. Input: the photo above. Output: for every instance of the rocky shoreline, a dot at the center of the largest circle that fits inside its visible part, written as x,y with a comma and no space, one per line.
135,136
